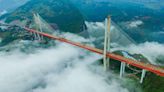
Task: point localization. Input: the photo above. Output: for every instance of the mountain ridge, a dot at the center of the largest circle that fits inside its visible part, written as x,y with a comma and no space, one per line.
61,12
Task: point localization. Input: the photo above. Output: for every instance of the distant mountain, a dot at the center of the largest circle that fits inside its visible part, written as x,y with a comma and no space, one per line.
60,12
152,4
124,12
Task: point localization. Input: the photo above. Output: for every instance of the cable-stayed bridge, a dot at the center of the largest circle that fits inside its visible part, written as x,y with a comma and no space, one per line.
39,35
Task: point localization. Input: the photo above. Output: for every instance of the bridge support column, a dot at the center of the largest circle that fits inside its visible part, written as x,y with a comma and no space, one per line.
122,69
106,44
39,38
40,26
143,75
35,35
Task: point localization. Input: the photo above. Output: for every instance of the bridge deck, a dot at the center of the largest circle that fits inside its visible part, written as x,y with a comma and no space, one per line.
149,67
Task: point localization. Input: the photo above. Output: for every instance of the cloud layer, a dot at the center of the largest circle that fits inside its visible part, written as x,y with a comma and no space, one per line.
151,50
63,68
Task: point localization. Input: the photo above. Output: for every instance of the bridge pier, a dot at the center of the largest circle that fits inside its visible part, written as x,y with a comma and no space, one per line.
122,69
35,36
143,75
39,38
106,44
40,26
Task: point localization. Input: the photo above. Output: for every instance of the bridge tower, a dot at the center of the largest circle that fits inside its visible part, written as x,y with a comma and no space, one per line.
39,24
36,35
38,27
106,43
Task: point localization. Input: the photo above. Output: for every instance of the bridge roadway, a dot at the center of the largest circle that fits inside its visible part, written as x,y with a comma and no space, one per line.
149,67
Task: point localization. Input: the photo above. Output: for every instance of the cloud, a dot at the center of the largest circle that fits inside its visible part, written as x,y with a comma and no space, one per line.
3,12
81,80
62,68
151,50
135,24
96,31
161,32
21,72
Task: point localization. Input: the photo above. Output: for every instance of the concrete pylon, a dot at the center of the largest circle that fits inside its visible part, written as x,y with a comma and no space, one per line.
40,25
37,36
143,75
106,43
122,69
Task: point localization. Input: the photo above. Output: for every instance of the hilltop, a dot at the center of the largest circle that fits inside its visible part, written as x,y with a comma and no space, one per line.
56,12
